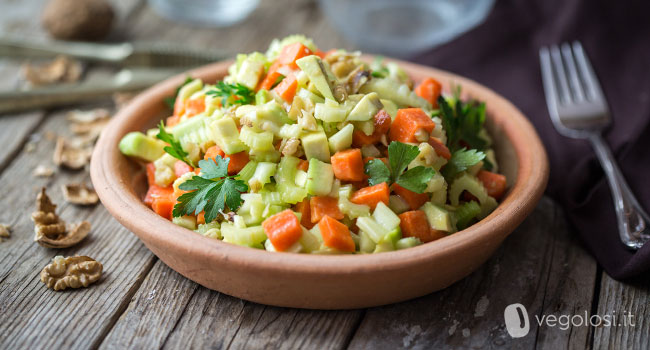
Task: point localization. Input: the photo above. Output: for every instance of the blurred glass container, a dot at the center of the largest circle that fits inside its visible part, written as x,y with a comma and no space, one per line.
211,13
403,27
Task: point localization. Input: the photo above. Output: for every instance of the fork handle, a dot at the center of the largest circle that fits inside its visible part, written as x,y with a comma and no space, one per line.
633,221
110,53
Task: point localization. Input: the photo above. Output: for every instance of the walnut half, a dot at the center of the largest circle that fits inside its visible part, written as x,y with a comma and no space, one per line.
50,230
71,272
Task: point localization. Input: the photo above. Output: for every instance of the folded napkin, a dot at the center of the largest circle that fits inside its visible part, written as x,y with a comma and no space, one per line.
502,53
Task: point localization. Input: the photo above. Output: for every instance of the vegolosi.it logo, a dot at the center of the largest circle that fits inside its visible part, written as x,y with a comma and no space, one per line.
518,323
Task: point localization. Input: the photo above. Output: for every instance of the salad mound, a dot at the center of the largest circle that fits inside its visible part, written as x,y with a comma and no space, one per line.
300,150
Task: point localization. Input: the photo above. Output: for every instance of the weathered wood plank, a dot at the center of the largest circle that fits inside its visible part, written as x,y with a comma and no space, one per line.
539,266
32,316
630,304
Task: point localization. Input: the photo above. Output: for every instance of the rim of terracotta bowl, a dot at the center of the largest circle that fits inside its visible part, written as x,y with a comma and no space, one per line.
119,197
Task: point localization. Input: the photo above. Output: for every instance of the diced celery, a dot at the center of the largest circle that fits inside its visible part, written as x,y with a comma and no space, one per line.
436,183
370,151
250,236
345,191
366,108
366,244
188,89
247,171
491,157
331,112
258,141
385,217
271,197
397,204
226,135
309,241
272,209
466,213
370,226
288,131
467,183
407,242
287,170
342,140
439,197
320,177
334,192
487,207
187,221
262,97
367,127
316,232
439,218
390,107
308,95
262,175
291,193
351,209
394,235
301,178
399,93
252,210
318,76
194,130
210,230
384,246
272,156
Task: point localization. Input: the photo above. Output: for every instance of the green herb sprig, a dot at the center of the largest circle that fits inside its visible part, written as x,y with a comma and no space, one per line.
399,157
232,94
174,149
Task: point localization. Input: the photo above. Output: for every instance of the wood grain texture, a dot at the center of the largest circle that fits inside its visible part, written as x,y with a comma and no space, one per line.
630,303
32,316
536,258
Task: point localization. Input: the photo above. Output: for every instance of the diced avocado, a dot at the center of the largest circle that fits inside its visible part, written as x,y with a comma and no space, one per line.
250,71
390,107
438,217
137,144
308,95
376,231
342,140
385,217
407,242
316,146
331,112
313,66
187,221
366,108
188,89
399,93
367,127
320,177
366,244
226,135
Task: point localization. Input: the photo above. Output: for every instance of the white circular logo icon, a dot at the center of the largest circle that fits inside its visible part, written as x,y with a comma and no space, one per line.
517,322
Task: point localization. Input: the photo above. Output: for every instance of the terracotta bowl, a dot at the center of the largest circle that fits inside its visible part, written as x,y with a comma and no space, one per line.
316,281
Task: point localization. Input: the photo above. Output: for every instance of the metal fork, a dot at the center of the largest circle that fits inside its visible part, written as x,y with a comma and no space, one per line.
578,109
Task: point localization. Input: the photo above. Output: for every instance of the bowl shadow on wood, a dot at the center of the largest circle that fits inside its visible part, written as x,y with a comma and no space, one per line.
313,281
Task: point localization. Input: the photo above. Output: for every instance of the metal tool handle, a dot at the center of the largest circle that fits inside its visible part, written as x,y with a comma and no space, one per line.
633,221
110,53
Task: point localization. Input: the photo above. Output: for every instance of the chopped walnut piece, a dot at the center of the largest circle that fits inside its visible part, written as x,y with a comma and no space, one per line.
289,147
43,171
79,194
71,272
89,124
60,70
73,156
5,232
50,230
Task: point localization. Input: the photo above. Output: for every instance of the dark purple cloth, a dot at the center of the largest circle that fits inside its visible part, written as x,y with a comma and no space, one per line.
502,53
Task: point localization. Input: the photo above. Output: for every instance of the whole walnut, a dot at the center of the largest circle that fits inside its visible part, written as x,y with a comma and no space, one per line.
78,19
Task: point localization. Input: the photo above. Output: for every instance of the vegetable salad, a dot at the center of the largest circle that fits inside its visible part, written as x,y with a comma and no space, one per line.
305,151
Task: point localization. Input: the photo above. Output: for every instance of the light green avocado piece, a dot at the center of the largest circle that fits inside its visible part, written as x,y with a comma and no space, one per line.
250,71
366,108
313,66
320,178
137,144
438,217
342,140
390,89
316,146
226,135
188,89
390,107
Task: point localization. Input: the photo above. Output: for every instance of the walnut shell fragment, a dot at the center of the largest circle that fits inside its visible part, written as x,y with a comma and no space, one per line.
73,156
60,70
50,231
79,194
71,272
5,232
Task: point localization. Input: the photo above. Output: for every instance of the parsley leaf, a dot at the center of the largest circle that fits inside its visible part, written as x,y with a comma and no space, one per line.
174,149
416,179
213,191
377,172
232,94
463,123
460,161
399,157
170,101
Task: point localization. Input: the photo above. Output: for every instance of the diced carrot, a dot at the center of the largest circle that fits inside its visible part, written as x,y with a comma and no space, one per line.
283,229
200,219
151,174
270,80
173,120
293,52
371,196
154,192
162,200
440,148
287,88
336,235
179,107
194,106
414,223
494,183
180,168
348,165
407,122
413,199
303,165
324,205
381,123
429,89
304,209
237,161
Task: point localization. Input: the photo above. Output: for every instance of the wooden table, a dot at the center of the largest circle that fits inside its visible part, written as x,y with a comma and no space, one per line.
141,303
